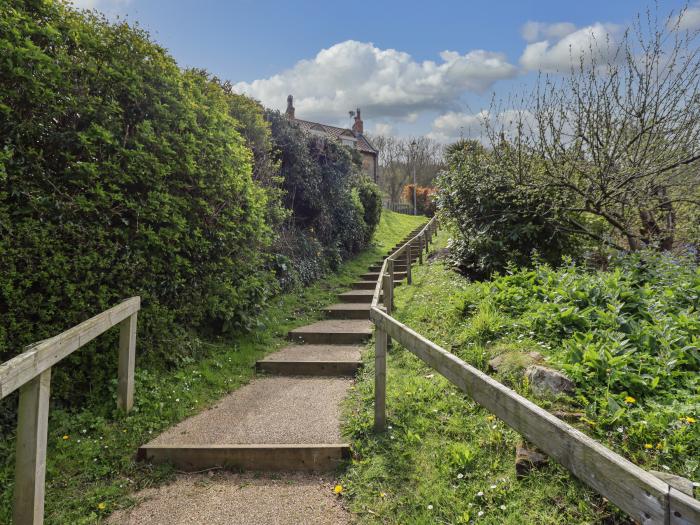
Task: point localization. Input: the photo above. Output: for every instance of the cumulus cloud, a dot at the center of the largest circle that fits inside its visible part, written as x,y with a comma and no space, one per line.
535,31
455,125
689,19
383,82
99,4
558,55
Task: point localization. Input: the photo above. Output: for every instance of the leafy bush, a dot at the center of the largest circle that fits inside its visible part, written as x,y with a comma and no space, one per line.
120,175
629,338
496,219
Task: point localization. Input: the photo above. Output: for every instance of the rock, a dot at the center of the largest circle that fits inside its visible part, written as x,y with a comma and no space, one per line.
547,382
513,360
527,458
679,483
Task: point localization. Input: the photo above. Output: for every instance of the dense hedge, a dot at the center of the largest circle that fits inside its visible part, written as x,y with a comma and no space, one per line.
121,175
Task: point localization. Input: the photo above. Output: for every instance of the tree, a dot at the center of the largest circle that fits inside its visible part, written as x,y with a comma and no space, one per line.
398,158
619,136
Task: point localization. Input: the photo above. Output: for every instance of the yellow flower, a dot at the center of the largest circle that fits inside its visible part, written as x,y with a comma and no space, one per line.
648,445
102,505
630,400
338,489
690,420
66,437
659,446
382,494
490,418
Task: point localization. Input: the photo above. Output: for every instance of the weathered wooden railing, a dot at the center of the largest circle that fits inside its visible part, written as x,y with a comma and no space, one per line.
646,498
31,373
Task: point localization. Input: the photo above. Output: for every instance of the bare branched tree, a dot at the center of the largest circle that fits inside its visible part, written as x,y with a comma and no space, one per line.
398,158
619,136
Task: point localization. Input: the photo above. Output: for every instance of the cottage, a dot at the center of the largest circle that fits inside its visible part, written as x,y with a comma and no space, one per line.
353,138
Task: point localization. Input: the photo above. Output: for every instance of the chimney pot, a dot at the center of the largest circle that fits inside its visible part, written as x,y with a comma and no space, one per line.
358,126
290,107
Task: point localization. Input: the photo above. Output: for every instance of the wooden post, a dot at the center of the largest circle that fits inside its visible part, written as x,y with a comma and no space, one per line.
380,381
420,249
127,358
30,465
390,269
409,257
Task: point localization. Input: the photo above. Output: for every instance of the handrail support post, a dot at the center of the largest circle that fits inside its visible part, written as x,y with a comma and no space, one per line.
380,380
30,464
127,358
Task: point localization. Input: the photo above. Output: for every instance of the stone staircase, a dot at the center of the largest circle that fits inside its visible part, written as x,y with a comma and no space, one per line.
289,418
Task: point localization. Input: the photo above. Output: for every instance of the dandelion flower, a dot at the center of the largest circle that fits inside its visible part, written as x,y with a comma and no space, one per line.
430,507
630,400
648,446
101,505
338,489
690,420
490,418
382,494
66,437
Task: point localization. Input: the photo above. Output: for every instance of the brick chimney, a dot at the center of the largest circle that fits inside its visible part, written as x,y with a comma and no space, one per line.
358,127
290,107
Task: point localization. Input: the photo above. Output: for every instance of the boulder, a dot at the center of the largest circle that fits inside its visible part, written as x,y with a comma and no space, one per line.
546,382
527,458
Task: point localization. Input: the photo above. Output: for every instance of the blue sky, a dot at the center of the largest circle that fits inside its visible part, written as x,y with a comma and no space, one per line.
388,57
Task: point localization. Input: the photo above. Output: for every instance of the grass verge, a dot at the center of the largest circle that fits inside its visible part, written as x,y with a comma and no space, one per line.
90,460
444,459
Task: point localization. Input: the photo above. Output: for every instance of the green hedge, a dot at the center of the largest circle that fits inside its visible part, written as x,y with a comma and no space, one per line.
120,175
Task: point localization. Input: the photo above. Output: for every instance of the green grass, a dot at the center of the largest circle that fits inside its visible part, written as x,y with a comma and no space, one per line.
444,459
91,469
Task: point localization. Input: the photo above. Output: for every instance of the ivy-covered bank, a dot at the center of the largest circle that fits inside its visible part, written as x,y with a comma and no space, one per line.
121,175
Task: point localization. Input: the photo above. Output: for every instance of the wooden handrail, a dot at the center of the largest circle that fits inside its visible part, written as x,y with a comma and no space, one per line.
643,496
30,372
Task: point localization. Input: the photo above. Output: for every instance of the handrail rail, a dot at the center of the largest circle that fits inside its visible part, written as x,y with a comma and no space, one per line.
643,496
429,227
30,372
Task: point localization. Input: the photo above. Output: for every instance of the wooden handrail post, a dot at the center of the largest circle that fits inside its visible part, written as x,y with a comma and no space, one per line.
409,258
127,359
390,282
420,249
30,464
380,380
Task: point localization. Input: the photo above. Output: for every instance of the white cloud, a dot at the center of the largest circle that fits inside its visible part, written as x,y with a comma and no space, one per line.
455,125
383,128
597,40
534,31
688,20
383,82
99,4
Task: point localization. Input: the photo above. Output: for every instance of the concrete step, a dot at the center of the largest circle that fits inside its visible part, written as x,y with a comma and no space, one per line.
272,423
357,296
370,285
313,360
373,276
397,268
348,311
334,331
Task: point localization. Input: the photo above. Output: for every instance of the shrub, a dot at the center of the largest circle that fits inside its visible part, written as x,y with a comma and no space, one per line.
120,175
325,195
425,199
494,214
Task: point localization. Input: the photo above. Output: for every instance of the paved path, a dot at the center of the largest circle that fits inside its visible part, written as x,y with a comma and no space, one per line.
286,424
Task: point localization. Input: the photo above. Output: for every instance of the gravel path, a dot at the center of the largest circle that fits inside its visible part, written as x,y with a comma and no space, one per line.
268,410
222,498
